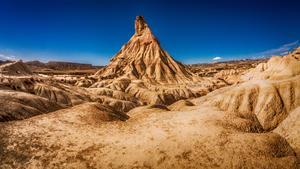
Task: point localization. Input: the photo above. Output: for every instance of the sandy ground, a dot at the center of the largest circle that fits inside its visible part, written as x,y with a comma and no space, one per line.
124,119
197,138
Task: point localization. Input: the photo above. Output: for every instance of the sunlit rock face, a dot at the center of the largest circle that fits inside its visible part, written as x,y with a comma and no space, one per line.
145,110
278,67
143,58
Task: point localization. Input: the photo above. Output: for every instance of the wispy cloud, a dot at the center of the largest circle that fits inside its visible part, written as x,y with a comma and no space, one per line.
7,57
216,58
44,56
282,50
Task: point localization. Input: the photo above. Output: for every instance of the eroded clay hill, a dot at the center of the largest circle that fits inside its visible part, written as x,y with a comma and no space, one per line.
267,100
144,70
143,58
253,124
277,67
15,68
129,116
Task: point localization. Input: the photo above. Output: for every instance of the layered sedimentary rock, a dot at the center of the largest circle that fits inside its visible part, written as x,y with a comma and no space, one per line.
277,67
147,72
143,58
20,105
15,68
252,124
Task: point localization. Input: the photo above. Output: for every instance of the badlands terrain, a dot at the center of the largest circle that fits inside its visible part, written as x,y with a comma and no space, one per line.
146,110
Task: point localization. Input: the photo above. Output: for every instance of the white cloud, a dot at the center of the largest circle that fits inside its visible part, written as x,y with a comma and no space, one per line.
282,50
8,57
217,58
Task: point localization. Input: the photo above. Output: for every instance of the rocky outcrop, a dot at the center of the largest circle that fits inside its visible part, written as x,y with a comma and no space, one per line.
270,93
16,105
230,76
277,68
148,73
143,58
270,102
17,68
289,129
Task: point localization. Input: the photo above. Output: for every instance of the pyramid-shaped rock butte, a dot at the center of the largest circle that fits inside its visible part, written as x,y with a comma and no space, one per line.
143,58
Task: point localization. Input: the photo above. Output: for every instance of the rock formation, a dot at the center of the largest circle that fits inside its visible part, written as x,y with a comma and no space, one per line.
15,68
143,58
277,67
136,113
269,94
20,105
290,130
147,72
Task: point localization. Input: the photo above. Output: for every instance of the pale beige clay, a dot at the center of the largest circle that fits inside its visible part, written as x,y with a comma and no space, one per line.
146,110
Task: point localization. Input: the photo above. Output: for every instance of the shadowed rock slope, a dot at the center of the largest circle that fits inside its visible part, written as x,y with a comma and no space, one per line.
290,130
19,105
24,97
15,68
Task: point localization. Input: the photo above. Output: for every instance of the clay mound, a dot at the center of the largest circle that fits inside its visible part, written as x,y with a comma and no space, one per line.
143,58
64,95
61,94
230,76
290,130
149,95
101,83
95,112
95,92
271,102
277,68
17,68
158,94
179,105
155,139
119,84
115,104
158,106
19,83
140,91
117,100
16,105
178,93
115,84
90,113
84,83
145,111
52,93
66,79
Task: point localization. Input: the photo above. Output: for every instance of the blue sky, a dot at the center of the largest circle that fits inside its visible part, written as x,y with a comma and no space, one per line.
91,31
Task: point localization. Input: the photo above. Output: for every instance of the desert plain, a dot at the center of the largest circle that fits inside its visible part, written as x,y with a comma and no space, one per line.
146,110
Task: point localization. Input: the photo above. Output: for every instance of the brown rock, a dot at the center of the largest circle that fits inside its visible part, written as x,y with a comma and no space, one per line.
15,68
143,58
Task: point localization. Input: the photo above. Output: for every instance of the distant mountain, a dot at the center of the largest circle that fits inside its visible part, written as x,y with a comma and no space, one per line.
15,68
58,65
